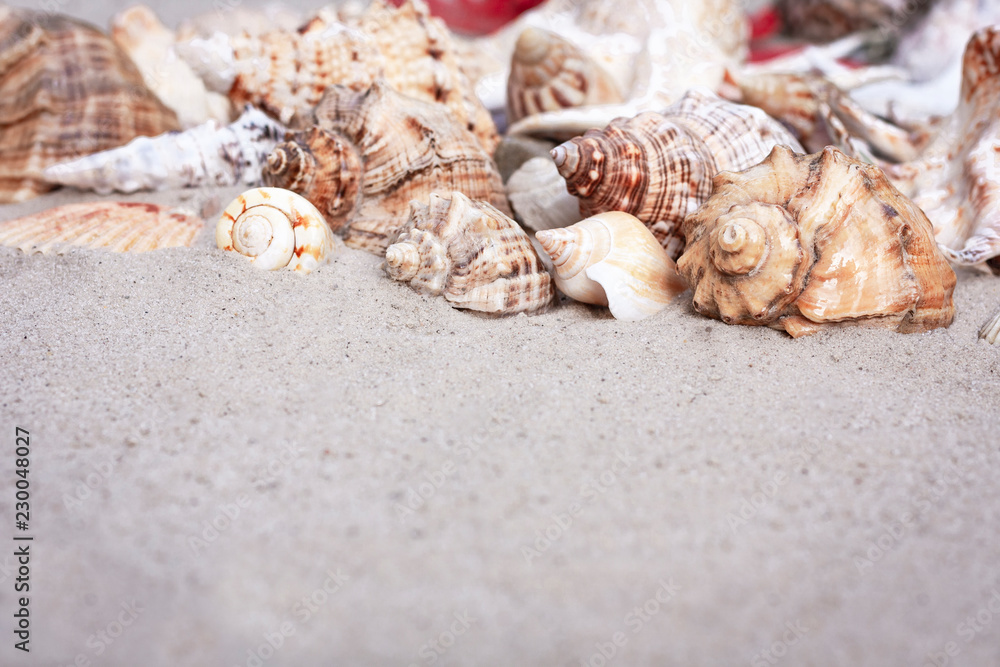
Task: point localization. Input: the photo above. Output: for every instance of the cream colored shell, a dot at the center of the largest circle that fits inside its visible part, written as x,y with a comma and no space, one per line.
991,329
611,259
538,196
275,229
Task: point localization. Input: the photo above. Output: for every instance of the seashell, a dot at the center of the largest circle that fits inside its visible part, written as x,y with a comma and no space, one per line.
65,90
369,153
659,167
991,329
470,253
201,156
537,193
116,226
548,73
826,20
275,229
612,259
798,242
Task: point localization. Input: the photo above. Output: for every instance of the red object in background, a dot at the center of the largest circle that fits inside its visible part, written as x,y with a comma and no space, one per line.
477,17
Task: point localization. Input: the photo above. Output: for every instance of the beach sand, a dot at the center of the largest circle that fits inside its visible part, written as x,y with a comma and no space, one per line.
223,457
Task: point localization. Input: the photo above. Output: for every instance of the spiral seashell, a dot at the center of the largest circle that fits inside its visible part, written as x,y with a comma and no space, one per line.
66,90
798,242
367,154
612,260
274,229
548,73
991,329
659,167
537,194
115,226
470,253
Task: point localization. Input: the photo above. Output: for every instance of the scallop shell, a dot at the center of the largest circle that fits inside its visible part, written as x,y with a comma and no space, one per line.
548,73
207,155
798,242
470,253
117,226
537,193
659,167
612,259
275,229
66,90
369,153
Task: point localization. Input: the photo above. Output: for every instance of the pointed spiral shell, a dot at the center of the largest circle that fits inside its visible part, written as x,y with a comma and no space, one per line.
274,229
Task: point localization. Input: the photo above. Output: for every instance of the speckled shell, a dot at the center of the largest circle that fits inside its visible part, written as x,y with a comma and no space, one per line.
66,90
275,229
548,73
207,155
659,167
612,259
369,153
116,226
471,254
798,242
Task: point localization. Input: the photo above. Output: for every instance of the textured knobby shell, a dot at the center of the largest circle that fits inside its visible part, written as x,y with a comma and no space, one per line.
369,153
116,226
659,167
797,242
207,155
275,229
470,253
612,259
66,90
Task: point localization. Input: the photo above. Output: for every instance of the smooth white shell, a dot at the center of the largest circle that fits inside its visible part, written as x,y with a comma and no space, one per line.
538,195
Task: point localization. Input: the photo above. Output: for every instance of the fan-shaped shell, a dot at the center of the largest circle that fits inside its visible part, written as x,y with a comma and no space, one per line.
275,229
369,153
116,226
612,259
66,90
470,253
659,167
801,241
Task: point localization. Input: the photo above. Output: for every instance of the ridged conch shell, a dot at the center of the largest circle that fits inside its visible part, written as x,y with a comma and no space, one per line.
612,259
659,167
798,242
470,253
207,155
369,153
66,90
548,73
538,196
150,44
275,229
116,226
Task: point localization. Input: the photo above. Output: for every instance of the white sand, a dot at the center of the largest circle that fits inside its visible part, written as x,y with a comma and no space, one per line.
185,384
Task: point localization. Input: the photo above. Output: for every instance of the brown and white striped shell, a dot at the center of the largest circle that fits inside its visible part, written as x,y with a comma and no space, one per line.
368,153
472,254
116,226
548,73
798,242
66,90
659,167
826,20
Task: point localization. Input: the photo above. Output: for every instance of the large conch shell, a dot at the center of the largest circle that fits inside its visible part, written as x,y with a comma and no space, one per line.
369,153
659,167
66,90
798,242
275,229
115,226
612,260
207,155
470,253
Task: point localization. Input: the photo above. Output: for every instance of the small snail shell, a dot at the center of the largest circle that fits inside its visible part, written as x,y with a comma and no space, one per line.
612,259
275,228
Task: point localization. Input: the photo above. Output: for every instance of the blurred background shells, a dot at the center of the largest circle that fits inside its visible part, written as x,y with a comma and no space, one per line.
470,253
826,20
66,90
116,226
799,242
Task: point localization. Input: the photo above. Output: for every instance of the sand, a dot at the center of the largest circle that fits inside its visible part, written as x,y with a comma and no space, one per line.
235,467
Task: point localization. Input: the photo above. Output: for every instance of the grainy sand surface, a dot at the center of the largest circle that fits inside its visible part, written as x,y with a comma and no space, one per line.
476,491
